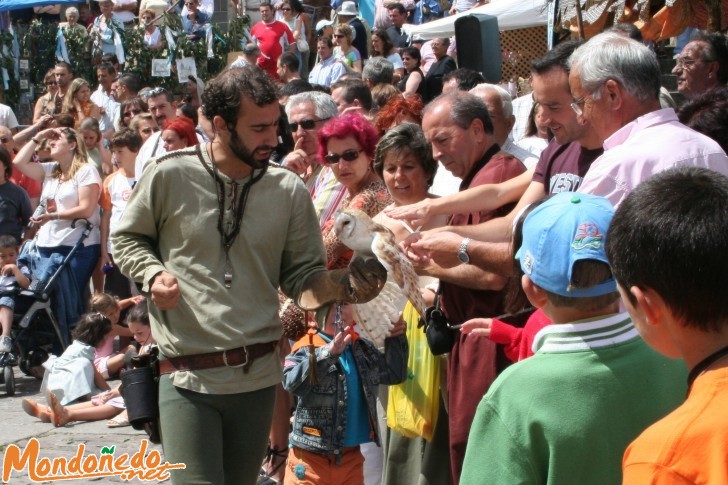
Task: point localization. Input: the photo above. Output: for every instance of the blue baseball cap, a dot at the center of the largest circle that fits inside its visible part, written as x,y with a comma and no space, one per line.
566,228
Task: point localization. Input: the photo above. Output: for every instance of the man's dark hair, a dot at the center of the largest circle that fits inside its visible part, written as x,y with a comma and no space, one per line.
293,87
628,29
398,7
64,120
708,114
466,78
716,51
326,40
110,58
224,94
289,61
670,235
131,82
558,57
66,65
7,162
126,138
355,89
108,67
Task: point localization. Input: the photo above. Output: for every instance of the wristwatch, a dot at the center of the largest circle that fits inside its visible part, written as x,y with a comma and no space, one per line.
463,251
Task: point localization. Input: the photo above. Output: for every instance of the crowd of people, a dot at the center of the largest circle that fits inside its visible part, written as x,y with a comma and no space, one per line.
526,219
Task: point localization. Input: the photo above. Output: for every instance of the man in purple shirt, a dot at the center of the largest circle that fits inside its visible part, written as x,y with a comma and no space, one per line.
615,83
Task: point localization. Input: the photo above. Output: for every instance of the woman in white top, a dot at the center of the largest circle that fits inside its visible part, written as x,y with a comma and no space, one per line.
152,34
382,46
71,188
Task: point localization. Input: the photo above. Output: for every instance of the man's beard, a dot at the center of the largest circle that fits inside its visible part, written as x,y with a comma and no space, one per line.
244,154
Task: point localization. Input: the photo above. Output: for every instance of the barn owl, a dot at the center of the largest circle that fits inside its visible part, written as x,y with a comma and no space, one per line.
368,239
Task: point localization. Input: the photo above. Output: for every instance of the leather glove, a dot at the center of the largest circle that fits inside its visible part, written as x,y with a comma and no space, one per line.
359,283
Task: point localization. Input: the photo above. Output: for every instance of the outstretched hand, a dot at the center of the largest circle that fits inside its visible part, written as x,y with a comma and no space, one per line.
418,214
477,326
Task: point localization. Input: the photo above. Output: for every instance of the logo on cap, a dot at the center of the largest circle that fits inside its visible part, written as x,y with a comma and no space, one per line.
587,236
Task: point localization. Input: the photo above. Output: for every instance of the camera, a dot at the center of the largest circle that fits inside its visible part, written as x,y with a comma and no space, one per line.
39,211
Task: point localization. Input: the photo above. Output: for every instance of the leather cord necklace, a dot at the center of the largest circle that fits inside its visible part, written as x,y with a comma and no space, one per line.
237,207
704,364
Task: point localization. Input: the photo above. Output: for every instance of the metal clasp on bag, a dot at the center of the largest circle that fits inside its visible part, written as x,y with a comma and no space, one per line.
224,359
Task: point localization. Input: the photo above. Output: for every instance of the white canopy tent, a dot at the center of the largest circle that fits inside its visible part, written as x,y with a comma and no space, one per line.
512,14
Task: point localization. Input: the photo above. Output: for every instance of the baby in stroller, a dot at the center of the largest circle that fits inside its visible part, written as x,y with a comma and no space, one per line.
12,275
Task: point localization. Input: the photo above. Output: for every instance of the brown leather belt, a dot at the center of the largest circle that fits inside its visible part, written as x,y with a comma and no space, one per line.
240,357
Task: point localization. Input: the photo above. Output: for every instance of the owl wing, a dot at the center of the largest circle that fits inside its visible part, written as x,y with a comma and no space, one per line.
376,316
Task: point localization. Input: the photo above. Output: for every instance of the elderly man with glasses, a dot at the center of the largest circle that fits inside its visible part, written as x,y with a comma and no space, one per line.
702,65
615,83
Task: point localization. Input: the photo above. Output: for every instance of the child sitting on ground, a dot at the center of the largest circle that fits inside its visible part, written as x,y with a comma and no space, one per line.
11,275
566,414
335,376
106,361
108,404
668,254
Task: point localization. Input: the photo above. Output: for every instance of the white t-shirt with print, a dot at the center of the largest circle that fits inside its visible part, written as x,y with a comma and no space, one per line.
60,233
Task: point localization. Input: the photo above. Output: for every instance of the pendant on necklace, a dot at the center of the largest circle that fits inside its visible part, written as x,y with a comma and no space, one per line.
228,273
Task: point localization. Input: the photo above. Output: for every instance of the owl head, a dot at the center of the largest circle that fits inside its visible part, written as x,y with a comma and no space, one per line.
355,229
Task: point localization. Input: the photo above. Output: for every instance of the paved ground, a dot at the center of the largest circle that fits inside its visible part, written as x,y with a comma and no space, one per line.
17,428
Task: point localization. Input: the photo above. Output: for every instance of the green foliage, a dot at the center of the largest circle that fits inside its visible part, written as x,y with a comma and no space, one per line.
39,43
78,46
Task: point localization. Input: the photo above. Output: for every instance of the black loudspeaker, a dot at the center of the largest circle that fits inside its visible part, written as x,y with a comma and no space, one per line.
478,45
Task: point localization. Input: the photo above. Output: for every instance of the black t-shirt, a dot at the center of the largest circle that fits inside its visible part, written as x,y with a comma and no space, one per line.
15,210
360,41
433,80
561,168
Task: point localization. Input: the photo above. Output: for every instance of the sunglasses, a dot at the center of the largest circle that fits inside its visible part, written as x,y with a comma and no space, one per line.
305,124
347,156
153,93
51,83
132,112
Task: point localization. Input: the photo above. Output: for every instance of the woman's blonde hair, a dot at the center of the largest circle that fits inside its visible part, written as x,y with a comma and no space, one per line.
73,89
80,156
346,31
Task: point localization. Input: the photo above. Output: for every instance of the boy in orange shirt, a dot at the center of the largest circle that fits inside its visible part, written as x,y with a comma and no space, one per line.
668,248
115,193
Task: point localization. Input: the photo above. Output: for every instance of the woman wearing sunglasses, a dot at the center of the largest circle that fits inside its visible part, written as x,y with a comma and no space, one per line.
78,104
70,189
46,104
130,108
344,51
347,145
152,34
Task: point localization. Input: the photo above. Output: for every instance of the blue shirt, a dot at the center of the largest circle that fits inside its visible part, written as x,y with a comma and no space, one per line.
358,430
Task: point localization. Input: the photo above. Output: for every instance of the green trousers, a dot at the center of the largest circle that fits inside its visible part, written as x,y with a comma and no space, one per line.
221,438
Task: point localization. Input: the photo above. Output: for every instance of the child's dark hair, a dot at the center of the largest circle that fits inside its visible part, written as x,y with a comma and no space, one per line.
127,138
516,299
8,242
670,235
585,274
138,314
92,328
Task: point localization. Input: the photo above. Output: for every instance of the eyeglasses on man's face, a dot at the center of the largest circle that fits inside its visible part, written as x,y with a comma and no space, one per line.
577,105
686,62
155,92
305,124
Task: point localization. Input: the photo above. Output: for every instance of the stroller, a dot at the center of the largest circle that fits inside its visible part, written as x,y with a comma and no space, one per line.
36,330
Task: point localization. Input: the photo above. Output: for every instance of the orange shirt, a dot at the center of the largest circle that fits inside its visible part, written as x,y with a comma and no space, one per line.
689,445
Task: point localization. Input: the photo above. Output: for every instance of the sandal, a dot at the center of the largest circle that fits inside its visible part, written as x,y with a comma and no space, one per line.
266,477
37,410
118,421
59,415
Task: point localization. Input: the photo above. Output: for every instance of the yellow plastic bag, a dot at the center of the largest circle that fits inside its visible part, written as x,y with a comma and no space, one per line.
413,405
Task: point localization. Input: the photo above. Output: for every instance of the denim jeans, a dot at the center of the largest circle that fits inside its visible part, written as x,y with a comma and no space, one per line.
82,264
